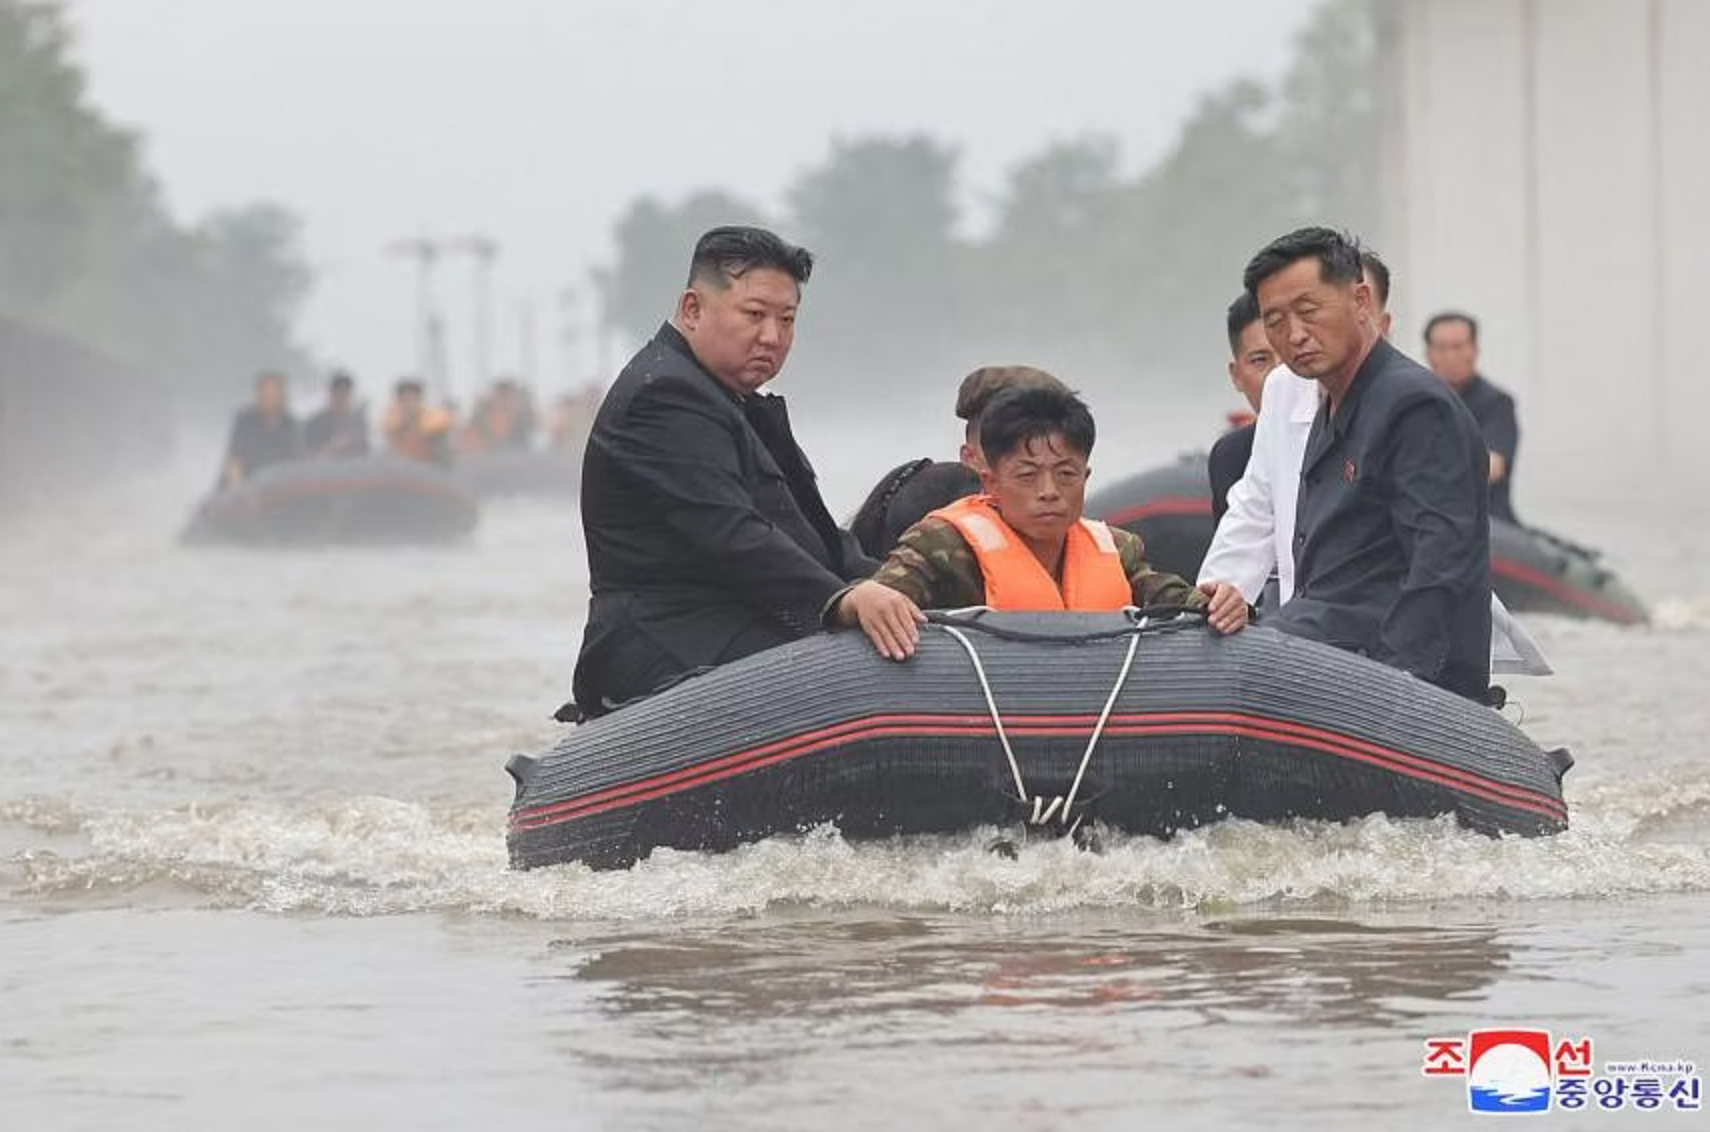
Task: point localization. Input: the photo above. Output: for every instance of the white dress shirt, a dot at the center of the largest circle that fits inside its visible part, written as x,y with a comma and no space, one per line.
1256,535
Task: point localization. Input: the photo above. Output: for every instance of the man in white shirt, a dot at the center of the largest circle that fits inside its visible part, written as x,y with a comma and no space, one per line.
1256,536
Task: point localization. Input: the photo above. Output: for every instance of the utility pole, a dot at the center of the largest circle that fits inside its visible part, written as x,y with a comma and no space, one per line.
429,330
482,250
570,336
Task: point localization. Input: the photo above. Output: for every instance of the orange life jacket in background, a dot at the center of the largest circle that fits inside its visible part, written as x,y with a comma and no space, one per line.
1093,577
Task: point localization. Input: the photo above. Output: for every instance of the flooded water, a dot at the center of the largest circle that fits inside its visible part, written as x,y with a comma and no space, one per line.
252,869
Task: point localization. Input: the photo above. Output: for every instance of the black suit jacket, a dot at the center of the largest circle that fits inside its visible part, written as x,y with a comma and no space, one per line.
1227,464
707,536
1392,534
1494,411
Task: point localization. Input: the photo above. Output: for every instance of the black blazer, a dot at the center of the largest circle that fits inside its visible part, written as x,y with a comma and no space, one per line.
707,536
1227,464
1392,535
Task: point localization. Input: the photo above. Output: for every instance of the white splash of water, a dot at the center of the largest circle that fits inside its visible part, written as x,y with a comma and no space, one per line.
373,855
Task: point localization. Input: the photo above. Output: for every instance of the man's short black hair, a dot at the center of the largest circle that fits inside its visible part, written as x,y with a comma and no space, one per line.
728,253
408,385
1337,253
1243,312
1013,417
1452,316
341,382
1378,270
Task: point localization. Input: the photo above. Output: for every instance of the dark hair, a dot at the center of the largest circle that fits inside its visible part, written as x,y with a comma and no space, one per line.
341,380
1014,417
1337,253
1379,272
1452,316
408,385
906,495
728,253
1243,312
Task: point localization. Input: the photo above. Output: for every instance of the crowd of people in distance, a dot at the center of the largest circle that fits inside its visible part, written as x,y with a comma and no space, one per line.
1365,483
505,418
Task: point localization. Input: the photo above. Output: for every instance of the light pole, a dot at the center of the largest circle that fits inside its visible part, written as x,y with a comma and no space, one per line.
429,334
483,250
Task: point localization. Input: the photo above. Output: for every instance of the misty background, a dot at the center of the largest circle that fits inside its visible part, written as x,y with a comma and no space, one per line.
200,190
194,191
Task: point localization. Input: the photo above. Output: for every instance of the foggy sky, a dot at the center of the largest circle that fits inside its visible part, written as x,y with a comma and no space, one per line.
536,121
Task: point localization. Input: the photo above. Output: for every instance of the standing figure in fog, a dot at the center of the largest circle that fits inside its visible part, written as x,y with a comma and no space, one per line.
416,430
1451,349
263,433
707,537
341,427
1392,531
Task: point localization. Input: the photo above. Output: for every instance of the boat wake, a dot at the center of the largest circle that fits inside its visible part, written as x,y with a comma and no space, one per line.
365,856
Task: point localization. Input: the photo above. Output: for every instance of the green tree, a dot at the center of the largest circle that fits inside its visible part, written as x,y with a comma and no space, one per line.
1046,269
60,166
654,241
880,215
88,249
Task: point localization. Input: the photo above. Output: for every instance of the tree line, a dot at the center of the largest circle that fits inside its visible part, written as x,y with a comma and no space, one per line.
90,252
1128,273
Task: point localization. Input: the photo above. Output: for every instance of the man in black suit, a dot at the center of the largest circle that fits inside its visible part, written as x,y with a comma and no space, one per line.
1451,349
707,537
1250,362
1392,534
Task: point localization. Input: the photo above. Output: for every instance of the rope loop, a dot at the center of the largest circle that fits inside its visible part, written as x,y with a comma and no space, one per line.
1059,810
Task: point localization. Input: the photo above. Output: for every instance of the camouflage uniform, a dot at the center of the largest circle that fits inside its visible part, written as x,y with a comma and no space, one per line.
934,565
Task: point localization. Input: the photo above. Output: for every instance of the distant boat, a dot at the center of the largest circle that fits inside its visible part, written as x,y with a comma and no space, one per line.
369,501
545,473
1533,571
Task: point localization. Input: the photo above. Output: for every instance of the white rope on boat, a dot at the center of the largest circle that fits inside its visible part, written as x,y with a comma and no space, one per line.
1062,806
991,706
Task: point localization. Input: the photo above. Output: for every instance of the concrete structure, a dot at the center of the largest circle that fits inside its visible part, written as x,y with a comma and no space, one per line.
1548,170
71,417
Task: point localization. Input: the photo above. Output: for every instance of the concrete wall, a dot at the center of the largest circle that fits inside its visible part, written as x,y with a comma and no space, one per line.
71,417
1549,171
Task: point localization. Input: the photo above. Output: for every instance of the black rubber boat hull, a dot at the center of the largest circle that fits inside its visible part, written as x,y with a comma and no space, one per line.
370,501
1258,726
522,474
1532,571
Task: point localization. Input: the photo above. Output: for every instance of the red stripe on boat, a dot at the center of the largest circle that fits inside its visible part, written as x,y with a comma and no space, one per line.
923,726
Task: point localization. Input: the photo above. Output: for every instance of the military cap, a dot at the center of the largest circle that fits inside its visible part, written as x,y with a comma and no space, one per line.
979,387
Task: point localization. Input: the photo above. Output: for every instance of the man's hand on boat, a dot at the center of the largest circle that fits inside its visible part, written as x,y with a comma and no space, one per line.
1227,609
890,620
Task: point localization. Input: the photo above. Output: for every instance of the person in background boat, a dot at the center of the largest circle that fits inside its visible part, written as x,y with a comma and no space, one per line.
707,537
911,491
340,429
504,420
1392,532
262,434
1023,545
414,429
1451,350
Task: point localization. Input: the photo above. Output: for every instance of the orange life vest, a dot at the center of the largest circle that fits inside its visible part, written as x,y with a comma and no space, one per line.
1093,577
